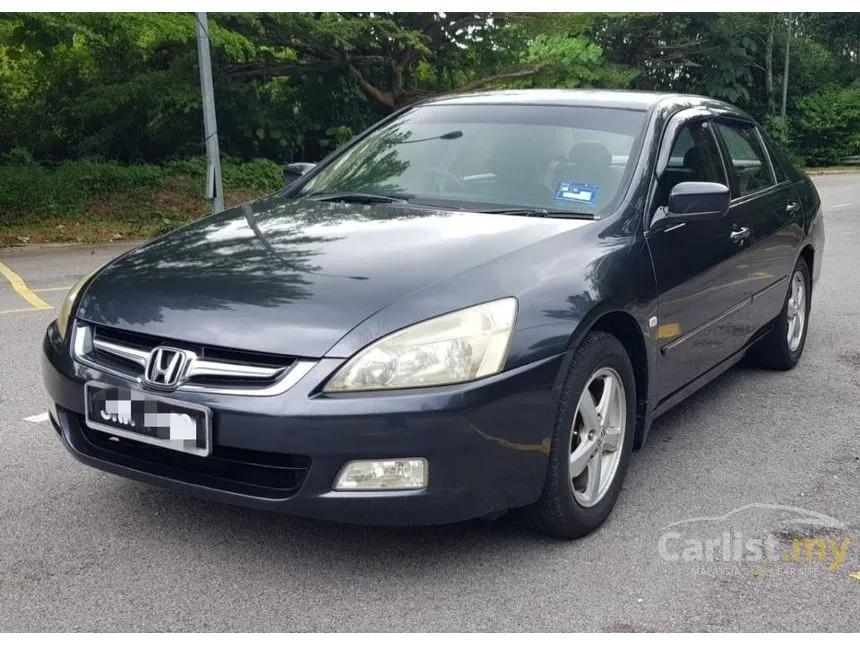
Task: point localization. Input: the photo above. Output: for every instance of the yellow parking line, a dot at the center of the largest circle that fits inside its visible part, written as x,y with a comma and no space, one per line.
44,289
22,289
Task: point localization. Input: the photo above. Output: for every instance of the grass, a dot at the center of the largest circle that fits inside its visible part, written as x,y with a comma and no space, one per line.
131,216
89,202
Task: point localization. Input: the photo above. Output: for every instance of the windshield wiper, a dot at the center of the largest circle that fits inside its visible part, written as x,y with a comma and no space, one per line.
354,197
537,212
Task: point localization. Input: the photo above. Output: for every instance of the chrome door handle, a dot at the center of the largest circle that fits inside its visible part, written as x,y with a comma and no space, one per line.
792,207
740,235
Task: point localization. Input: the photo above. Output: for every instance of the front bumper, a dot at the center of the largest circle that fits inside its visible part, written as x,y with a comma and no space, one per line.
486,443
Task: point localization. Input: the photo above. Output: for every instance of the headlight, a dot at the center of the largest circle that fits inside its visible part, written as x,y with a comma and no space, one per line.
65,312
454,348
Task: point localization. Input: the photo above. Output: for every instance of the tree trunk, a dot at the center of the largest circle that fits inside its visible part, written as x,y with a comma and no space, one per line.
396,84
385,98
768,65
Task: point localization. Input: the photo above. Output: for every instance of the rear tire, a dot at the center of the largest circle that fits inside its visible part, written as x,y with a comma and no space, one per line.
782,347
591,443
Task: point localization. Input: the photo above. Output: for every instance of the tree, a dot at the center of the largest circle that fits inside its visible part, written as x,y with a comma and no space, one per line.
125,87
381,53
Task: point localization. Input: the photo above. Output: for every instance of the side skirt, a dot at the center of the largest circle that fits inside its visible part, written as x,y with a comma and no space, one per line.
699,382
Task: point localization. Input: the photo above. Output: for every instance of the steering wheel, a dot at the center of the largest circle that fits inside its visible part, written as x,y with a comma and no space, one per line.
440,175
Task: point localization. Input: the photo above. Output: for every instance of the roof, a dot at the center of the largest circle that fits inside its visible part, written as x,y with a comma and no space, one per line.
624,99
618,99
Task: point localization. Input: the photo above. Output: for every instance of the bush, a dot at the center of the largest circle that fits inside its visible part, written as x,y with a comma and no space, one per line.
37,192
826,128
137,194
259,174
17,157
779,129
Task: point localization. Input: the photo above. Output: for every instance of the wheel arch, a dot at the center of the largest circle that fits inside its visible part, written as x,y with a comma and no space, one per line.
623,326
807,253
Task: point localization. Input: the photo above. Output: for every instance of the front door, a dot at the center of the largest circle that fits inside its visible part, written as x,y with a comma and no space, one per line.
699,269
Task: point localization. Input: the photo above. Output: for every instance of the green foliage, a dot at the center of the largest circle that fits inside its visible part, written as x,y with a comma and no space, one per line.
570,61
780,130
337,135
258,175
124,87
42,192
828,125
81,201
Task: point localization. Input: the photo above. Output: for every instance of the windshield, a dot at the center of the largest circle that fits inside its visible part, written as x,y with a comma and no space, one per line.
557,158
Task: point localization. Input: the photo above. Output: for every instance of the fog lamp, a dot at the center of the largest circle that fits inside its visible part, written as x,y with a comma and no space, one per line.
387,474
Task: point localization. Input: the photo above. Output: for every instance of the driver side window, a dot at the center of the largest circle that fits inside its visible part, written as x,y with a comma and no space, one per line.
694,157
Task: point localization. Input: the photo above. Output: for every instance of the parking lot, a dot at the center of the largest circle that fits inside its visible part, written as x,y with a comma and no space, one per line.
756,454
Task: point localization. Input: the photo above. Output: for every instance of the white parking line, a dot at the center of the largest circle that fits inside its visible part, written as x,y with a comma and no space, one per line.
842,204
37,418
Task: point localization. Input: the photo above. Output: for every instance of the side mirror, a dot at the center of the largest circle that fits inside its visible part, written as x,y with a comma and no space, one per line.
295,170
692,201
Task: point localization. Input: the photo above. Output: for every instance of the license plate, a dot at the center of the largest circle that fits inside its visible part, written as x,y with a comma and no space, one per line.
148,418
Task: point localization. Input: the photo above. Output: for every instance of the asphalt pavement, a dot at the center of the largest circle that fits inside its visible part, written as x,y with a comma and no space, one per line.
756,455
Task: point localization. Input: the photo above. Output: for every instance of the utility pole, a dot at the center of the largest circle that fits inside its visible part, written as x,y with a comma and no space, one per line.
214,190
785,71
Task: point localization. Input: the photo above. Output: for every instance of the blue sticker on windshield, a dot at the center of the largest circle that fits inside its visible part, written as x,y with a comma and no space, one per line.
579,193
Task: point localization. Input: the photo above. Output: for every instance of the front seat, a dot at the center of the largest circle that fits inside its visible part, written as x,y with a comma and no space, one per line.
693,164
691,169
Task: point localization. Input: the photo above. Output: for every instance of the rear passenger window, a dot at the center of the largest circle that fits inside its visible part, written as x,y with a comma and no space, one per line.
749,160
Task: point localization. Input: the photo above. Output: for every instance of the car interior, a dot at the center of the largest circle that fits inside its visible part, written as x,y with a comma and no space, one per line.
747,158
517,170
512,165
693,158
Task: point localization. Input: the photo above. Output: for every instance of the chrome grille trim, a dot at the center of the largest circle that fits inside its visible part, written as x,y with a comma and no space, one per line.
202,367
83,344
292,375
129,353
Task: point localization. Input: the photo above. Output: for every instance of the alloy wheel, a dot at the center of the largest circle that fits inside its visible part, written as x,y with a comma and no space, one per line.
796,311
598,436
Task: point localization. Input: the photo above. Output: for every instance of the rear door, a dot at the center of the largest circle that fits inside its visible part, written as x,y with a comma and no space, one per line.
700,278
764,203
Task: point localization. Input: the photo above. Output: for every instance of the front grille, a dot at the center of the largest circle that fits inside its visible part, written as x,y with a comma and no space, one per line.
248,472
219,369
114,361
146,343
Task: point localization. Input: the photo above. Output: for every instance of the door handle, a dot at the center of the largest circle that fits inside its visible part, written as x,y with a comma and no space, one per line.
740,235
792,207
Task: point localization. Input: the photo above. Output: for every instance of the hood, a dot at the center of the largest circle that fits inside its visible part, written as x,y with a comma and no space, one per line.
293,277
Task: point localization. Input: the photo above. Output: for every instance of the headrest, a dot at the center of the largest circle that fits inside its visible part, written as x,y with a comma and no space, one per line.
693,159
591,153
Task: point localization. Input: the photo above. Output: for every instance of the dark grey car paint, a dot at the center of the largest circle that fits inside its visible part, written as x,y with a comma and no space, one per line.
323,280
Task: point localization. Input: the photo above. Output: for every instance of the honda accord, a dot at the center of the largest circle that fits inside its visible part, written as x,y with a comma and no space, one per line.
479,305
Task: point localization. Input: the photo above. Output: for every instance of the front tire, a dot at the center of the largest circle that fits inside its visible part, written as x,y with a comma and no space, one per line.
591,443
782,347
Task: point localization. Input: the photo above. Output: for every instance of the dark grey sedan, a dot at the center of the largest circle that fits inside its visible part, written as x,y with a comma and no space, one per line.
477,306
